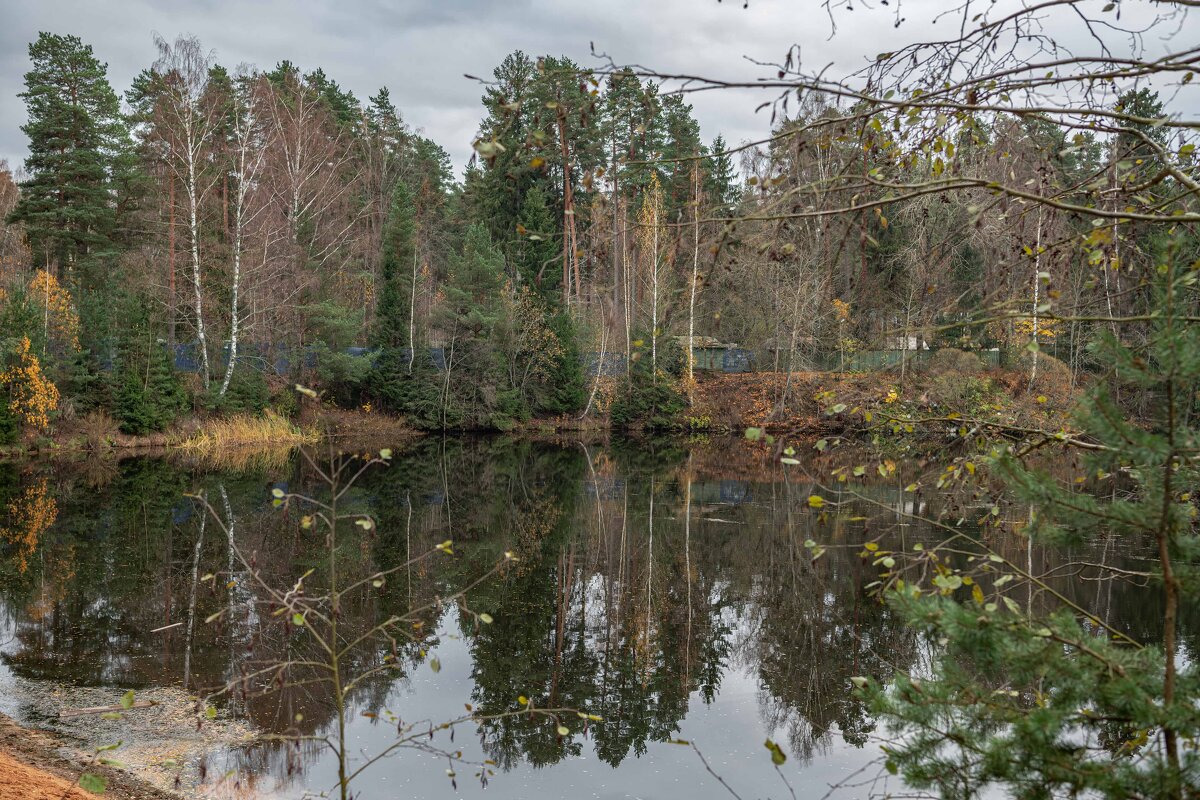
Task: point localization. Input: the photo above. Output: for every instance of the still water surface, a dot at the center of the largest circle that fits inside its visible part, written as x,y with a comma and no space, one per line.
663,586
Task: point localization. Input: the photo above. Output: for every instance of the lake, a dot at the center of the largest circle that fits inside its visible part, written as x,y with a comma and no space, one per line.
668,587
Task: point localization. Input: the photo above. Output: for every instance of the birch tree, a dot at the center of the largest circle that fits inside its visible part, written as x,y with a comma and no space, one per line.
186,110
249,142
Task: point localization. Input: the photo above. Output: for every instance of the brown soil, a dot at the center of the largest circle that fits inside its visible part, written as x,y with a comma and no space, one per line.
35,765
736,401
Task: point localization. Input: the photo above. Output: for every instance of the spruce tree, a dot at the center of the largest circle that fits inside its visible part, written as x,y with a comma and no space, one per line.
720,179
149,394
539,248
393,310
401,379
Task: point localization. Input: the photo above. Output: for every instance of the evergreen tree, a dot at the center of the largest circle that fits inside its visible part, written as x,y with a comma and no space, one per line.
75,133
149,394
539,249
479,397
393,312
401,380
720,178
1058,705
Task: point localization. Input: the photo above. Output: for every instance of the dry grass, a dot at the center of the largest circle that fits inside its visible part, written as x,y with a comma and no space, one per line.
247,431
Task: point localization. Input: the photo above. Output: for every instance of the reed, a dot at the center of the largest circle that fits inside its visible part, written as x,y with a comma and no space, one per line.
246,430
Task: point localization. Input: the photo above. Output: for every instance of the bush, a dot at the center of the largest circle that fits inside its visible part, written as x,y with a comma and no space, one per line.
340,374
413,395
10,429
960,392
949,361
1053,376
247,394
285,402
643,402
149,393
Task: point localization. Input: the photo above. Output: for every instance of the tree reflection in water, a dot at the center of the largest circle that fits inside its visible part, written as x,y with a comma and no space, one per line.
647,576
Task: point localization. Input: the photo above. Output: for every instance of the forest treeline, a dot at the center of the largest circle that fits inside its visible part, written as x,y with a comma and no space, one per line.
258,217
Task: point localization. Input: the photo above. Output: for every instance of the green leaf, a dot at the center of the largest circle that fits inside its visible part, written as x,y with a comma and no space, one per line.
777,754
211,712
435,664
486,618
127,700
277,493
563,730
95,784
385,453
816,501
298,619
754,434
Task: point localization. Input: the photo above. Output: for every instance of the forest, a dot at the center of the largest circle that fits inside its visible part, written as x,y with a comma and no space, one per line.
209,238
907,390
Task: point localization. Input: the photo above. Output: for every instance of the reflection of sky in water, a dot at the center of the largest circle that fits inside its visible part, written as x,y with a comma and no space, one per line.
729,731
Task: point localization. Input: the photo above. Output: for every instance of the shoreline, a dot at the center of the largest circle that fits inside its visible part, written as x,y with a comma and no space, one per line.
36,764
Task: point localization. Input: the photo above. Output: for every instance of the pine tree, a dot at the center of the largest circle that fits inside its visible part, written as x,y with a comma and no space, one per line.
75,133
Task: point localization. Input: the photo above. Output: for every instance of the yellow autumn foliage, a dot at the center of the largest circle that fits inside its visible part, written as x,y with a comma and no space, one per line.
28,517
62,323
31,395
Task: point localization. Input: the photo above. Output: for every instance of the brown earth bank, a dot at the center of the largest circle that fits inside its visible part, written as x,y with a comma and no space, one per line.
826,403
36,765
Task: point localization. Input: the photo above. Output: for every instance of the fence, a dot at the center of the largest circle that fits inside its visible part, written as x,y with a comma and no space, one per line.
266,358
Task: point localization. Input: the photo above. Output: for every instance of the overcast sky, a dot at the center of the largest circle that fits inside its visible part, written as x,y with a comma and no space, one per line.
420,49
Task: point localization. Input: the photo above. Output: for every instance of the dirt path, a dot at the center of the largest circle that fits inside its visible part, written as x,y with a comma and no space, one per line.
35,765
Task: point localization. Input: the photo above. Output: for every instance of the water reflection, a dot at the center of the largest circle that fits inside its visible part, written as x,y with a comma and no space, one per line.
668,590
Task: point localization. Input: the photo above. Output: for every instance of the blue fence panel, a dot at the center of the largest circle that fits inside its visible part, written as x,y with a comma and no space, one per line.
738,360
187,357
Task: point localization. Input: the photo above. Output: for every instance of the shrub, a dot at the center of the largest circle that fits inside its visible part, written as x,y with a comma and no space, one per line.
247,394
149,394
960,392
643,402
340,374
948,361
9,428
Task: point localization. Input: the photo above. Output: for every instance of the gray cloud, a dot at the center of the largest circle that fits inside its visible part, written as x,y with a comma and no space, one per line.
420,49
